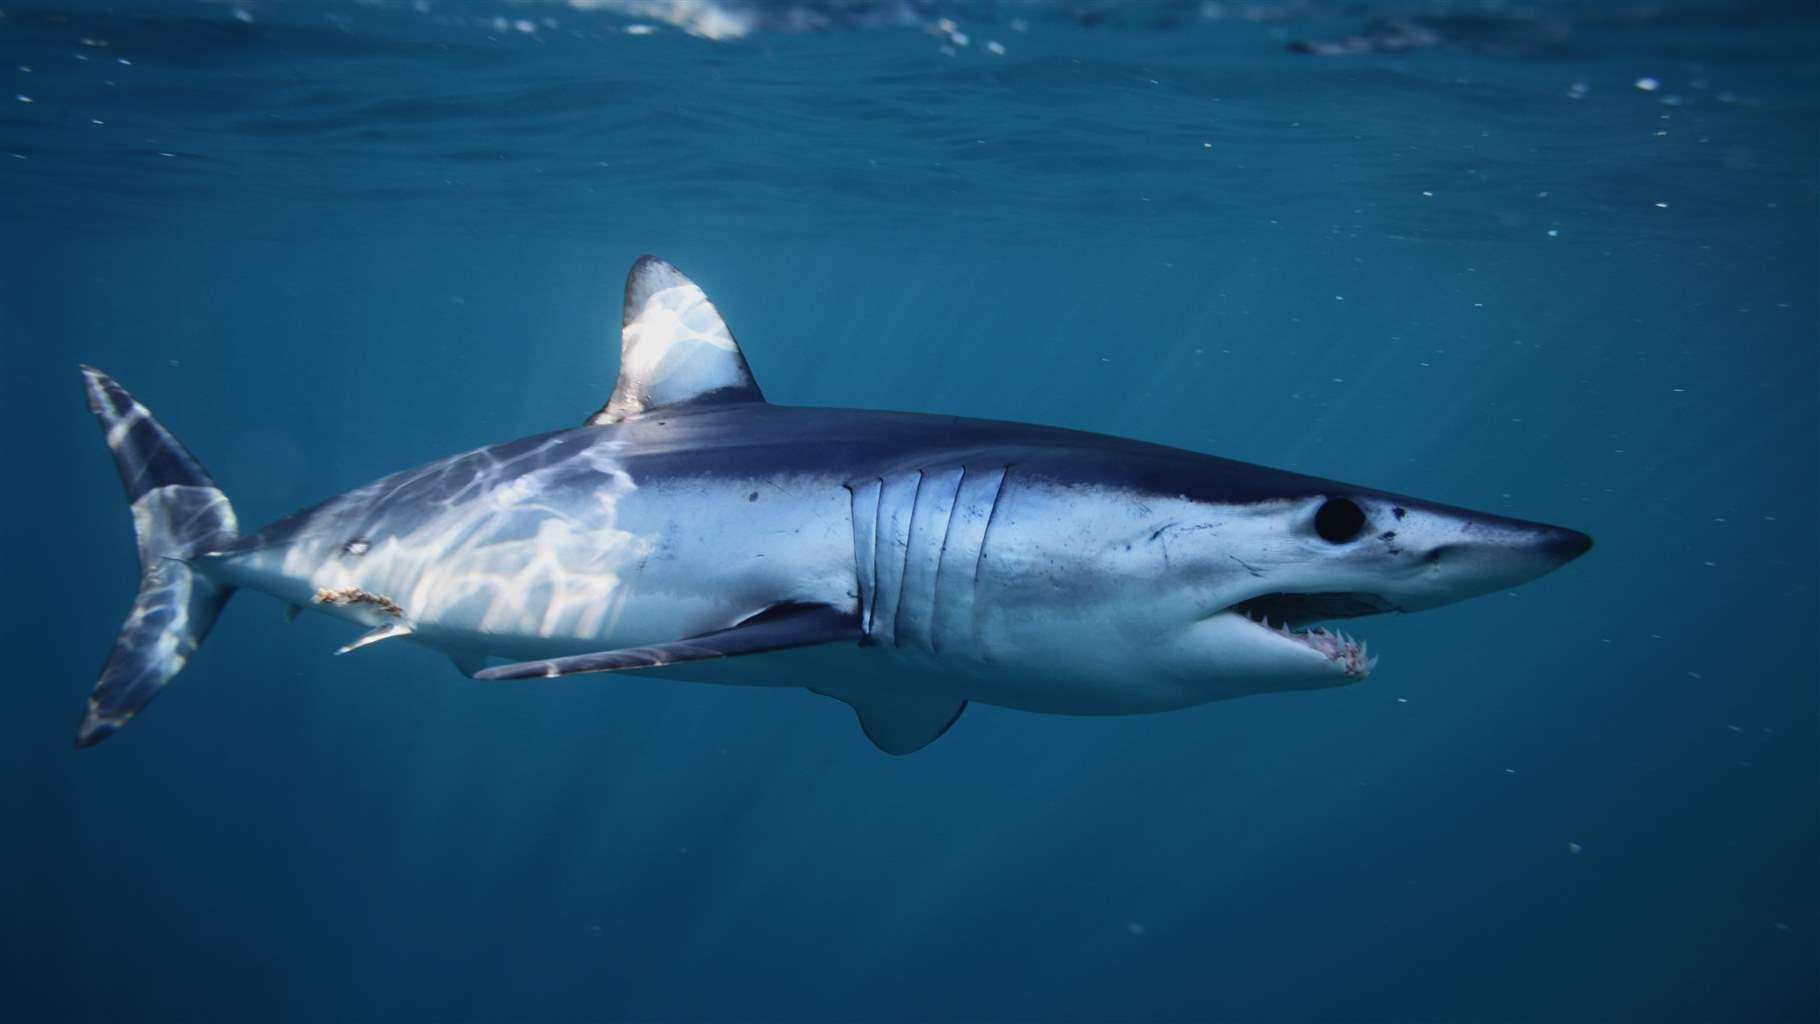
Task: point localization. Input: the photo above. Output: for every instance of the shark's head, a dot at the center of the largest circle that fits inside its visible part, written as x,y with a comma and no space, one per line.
1295,566
1209,578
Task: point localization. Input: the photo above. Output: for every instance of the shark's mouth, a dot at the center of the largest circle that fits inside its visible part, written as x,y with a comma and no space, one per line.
1294,616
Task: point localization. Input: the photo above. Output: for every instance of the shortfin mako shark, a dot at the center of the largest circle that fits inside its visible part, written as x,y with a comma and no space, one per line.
903,563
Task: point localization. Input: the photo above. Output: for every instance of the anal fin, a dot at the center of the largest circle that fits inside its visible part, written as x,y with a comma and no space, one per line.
900,723
777,628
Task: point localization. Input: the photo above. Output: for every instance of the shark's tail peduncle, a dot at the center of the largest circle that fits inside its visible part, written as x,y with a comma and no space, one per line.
178,513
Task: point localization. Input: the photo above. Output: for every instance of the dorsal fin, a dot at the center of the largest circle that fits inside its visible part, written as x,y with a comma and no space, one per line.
675,350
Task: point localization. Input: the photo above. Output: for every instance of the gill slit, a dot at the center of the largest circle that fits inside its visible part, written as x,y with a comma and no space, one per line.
941,558
979,557
903,570
868,574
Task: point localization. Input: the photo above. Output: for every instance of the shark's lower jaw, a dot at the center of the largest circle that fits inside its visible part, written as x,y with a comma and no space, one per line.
1288,616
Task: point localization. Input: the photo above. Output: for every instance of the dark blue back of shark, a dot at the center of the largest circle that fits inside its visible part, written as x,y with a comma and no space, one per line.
844,444
178,513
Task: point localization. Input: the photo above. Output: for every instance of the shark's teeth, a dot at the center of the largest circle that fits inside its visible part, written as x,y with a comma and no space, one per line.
1349,654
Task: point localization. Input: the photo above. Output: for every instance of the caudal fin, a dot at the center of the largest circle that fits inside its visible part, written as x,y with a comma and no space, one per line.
178,513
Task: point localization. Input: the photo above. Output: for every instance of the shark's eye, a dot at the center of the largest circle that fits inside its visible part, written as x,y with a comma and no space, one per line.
1338,520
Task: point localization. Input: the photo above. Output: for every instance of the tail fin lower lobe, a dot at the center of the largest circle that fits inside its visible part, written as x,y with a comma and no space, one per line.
178,513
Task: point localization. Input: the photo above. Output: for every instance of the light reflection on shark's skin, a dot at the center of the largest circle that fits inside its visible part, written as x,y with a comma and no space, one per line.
903,563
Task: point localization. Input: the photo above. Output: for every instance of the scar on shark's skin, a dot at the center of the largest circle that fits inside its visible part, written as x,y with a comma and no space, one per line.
355,595
1256,572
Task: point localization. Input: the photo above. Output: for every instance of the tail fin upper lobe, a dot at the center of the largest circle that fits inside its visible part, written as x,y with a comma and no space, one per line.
178,512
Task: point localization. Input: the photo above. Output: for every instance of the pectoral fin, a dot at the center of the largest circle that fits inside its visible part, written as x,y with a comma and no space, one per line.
385,632
900,723
777,628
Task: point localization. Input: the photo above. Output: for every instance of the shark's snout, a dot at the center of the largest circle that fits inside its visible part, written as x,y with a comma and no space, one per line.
1523,551
1534,550
1472,556
1563,545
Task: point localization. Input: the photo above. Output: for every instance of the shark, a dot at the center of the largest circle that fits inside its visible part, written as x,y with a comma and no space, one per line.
906,564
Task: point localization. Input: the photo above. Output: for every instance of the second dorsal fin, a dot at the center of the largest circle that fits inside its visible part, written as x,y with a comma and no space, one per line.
675,350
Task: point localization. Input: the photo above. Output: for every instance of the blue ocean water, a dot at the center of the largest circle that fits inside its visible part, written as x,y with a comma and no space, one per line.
1557,262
